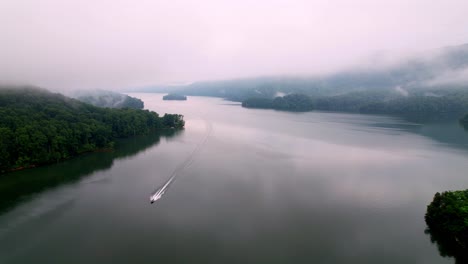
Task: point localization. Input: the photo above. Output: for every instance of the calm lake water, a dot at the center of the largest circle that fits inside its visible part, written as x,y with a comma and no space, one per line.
251,186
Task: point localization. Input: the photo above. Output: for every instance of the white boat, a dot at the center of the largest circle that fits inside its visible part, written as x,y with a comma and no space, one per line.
160,192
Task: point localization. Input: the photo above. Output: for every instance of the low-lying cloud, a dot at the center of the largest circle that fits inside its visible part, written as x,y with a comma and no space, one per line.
113,44
451,78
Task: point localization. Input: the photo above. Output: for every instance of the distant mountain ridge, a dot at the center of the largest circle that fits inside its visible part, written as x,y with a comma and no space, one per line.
430,82
433,70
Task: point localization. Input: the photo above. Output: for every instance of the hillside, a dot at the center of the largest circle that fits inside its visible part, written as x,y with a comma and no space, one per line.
102,98
39,127
433,81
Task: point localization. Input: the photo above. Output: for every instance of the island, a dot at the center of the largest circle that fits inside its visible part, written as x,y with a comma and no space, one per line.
173,96
39,127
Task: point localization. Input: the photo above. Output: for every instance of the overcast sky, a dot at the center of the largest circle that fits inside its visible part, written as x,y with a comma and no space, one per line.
63,44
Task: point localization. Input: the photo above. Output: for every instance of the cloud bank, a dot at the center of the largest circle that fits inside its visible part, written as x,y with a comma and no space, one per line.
70,44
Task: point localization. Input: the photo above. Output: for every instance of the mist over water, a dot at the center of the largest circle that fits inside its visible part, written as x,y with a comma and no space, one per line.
108,44
241,185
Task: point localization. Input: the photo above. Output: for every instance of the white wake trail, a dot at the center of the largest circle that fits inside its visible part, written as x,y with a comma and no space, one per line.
159,192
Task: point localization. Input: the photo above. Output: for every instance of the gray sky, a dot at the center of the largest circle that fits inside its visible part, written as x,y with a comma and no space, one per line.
63,44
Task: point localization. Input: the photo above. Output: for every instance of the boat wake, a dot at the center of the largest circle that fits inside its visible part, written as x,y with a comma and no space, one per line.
159,192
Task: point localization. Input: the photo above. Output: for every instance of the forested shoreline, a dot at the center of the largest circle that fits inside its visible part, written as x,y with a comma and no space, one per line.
291,102
421,84
39,127
376,102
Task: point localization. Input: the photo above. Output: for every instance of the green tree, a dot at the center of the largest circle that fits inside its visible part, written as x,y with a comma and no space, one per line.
38,127
447,222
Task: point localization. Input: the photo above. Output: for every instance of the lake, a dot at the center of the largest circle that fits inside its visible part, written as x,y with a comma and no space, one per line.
250,186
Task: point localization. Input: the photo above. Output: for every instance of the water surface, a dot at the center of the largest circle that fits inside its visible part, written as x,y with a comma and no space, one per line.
251,186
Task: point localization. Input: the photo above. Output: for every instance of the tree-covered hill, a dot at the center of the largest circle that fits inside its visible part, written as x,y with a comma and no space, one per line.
374,102
173,96
379,102
291,102
432,82
39,127
109,99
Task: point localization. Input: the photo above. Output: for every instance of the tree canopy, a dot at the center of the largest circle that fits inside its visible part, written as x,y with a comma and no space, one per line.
38,127
290,102
447,222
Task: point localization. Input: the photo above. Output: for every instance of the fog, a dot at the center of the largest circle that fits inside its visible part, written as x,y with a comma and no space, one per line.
113,44
456,77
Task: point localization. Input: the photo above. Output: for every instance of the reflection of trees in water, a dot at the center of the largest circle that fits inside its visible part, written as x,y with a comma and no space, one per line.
443,128
464,122
447,224
18,186
449,246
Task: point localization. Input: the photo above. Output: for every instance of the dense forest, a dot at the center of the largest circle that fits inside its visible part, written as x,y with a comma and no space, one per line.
291,102
374,102
173,96
447,222
39,127
447,101
109,99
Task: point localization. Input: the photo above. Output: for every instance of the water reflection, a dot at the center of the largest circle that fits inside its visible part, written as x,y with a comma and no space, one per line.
448,246
17,187
447,131
267,187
